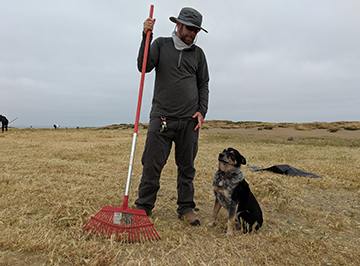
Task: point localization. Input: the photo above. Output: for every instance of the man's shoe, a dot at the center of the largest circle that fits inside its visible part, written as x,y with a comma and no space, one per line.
191,218
148,212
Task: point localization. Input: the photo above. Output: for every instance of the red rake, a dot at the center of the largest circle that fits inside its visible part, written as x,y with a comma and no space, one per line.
125,224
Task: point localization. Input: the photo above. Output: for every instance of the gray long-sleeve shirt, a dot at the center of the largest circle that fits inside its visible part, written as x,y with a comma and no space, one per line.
181,81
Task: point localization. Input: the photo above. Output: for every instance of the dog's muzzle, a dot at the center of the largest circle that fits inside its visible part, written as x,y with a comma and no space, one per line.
222,158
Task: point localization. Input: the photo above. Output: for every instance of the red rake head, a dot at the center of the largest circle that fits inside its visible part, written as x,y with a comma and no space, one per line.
126,225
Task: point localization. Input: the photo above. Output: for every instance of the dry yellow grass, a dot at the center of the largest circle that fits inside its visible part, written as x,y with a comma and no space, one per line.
53,181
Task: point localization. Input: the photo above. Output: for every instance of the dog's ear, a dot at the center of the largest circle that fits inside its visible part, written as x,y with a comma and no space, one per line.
243,160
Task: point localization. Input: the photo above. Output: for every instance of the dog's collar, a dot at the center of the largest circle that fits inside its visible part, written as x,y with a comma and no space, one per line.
227,176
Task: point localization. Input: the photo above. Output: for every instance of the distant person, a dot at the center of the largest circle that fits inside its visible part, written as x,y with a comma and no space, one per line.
4,123
56,126
179,106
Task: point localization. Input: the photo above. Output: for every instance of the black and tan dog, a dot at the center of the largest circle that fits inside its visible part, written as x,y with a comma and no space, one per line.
233,193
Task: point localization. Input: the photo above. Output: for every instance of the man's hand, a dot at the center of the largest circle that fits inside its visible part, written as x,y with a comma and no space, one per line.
200,120
149,24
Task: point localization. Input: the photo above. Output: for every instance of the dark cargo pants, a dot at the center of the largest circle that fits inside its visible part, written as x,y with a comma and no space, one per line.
157,149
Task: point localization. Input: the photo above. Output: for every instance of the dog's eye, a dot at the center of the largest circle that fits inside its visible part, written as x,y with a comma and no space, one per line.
232,157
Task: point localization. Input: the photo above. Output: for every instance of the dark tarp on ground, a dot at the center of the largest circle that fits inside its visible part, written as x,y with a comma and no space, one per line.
284,169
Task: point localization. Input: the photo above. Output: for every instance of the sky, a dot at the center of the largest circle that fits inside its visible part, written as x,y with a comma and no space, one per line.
73,62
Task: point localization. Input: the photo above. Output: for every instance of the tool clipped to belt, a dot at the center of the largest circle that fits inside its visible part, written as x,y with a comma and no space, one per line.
163,125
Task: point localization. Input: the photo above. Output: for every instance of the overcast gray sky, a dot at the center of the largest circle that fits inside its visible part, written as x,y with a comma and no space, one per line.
73,62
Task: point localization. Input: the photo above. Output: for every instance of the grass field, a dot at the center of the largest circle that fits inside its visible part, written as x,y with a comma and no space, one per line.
53,181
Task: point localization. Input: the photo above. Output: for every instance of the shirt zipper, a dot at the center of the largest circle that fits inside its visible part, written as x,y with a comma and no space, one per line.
179,61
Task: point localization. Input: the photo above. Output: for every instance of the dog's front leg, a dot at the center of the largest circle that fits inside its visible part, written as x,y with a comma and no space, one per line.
215,212
230,225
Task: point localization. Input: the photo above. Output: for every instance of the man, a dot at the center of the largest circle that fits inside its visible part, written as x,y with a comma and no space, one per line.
179,106
4,123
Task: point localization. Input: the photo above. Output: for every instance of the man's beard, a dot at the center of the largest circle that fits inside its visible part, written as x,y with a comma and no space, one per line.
183,37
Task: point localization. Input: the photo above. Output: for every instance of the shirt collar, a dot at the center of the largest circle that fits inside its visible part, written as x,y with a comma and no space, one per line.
178,43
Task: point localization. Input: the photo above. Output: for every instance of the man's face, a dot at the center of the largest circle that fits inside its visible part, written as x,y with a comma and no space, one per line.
186,33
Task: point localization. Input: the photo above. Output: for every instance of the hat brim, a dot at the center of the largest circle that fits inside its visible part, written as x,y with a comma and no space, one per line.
173,19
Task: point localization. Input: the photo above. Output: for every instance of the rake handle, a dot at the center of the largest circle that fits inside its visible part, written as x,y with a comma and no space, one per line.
147,43
137,118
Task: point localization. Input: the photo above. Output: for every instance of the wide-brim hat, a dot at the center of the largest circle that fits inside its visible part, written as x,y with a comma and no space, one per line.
189,17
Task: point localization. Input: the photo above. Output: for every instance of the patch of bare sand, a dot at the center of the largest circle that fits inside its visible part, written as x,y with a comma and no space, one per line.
288,132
